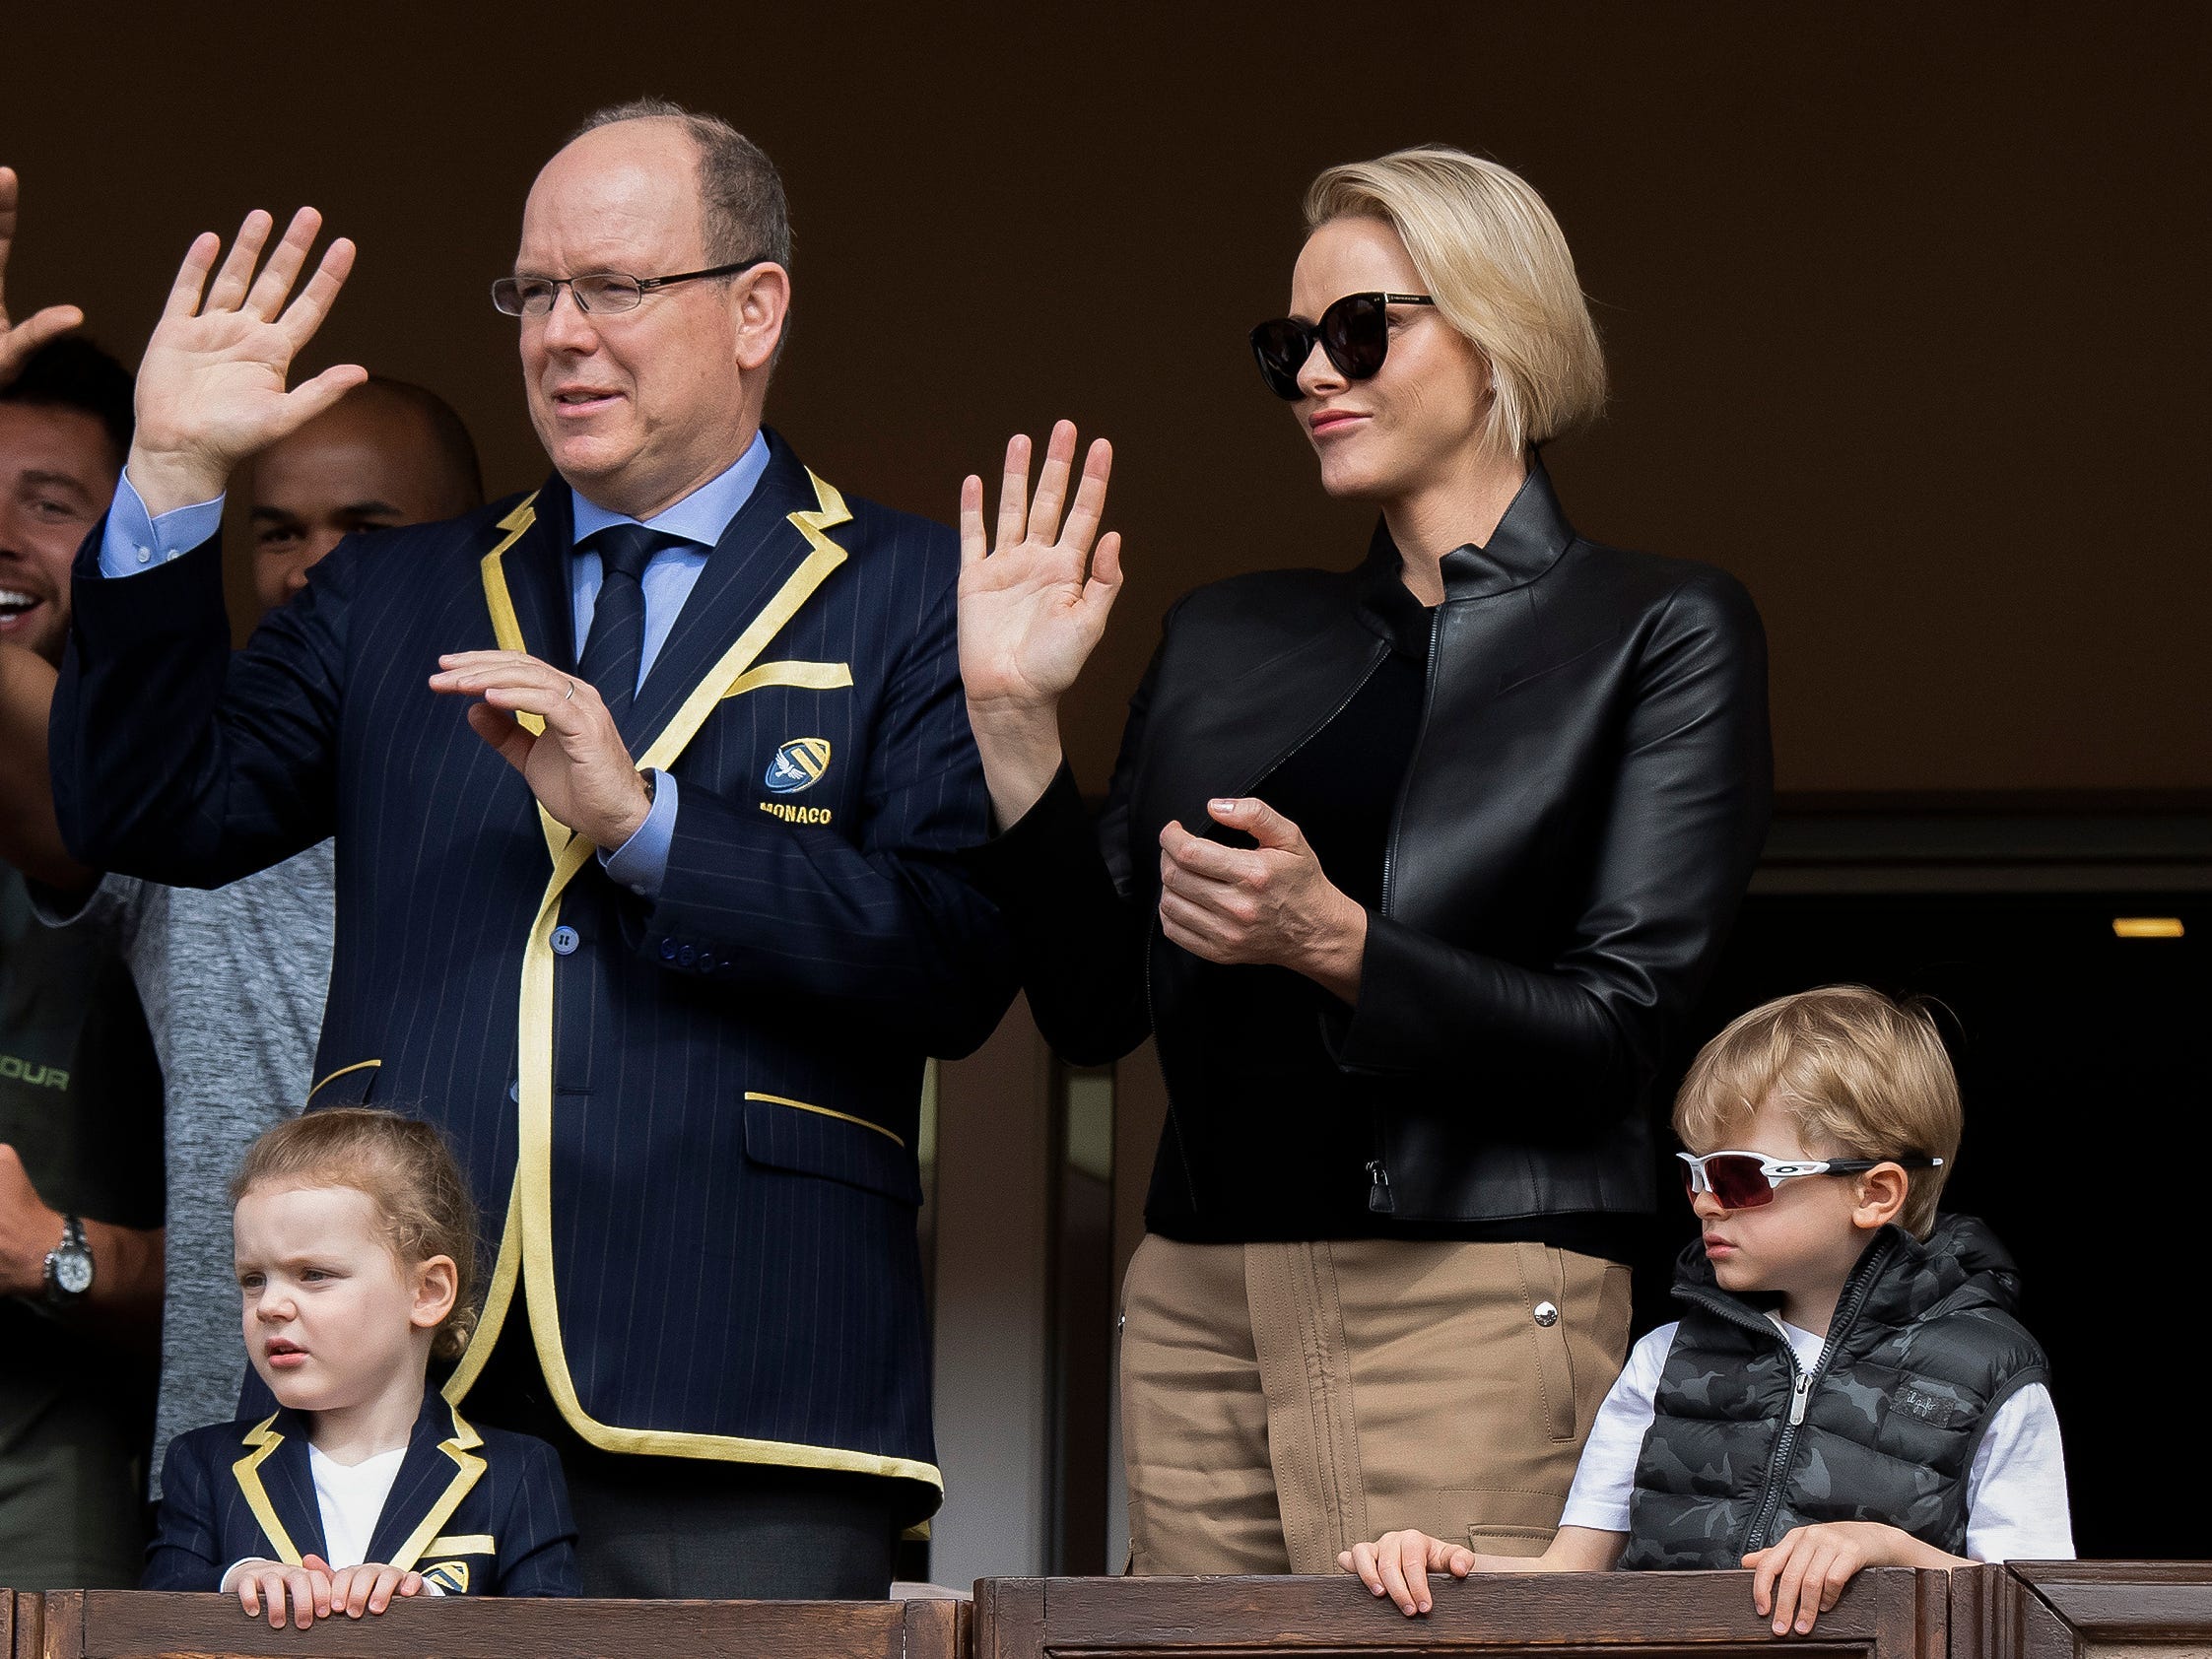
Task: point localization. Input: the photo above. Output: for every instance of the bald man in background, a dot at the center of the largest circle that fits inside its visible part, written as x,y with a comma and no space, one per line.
233,980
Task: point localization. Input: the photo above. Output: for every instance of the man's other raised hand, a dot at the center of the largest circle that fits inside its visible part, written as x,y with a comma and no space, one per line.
18,340
211,389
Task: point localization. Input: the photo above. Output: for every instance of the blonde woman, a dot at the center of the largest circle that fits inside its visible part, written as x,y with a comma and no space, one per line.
1410,869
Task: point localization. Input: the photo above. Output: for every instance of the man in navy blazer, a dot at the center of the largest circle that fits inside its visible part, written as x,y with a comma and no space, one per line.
646,788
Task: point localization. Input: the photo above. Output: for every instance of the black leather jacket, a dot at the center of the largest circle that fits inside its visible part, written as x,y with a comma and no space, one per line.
1588,796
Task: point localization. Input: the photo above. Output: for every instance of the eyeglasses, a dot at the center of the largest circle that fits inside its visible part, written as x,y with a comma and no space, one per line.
600,292
1355,332
1744,1180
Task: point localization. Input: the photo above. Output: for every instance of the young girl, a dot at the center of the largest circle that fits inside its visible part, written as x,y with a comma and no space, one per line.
356,1247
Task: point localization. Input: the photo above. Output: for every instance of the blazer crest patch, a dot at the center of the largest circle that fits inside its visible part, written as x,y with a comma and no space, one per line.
798,765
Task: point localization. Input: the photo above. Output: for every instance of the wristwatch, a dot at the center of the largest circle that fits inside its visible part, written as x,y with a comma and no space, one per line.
69,1266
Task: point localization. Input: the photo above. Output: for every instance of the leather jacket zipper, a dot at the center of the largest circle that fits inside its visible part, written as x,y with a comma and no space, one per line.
1152,934
1405,783
1381,1200
1802,1382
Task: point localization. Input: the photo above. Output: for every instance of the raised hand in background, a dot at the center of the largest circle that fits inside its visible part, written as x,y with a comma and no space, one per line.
18,340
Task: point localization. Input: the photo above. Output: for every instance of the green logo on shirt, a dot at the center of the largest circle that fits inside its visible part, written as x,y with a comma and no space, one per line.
15,1069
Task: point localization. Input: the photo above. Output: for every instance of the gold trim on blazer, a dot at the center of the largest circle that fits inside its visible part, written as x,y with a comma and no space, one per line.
806,676
527,1237
825,1111
506,628
462,1544
468,1469
357,1066
265,1441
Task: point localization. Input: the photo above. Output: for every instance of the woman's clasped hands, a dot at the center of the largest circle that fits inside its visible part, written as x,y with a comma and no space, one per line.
1267,905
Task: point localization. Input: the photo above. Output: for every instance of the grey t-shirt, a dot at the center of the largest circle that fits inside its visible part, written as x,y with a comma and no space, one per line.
232,984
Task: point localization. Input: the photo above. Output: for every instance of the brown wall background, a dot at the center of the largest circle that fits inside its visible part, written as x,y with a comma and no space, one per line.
1904,302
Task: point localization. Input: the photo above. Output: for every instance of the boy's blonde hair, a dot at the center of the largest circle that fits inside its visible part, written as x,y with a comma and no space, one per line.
1866,1077
1495,262
407,1171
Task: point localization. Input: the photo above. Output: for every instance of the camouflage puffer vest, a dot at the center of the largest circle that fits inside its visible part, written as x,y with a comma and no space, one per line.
1922,1349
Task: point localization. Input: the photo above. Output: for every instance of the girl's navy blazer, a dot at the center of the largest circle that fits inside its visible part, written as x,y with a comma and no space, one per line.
476,1511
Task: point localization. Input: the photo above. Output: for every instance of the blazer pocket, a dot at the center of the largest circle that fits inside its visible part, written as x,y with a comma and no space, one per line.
797,1136
348,1085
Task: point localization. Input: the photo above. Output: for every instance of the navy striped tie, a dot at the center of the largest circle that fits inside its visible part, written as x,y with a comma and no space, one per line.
616,645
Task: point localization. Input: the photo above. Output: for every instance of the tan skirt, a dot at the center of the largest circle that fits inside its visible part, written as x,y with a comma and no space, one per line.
1282,1402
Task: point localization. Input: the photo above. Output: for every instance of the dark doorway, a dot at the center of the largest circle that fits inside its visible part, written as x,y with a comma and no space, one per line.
2087,1074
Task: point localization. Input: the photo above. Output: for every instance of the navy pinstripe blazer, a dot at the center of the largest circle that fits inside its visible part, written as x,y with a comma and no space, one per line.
703,1107
479,1512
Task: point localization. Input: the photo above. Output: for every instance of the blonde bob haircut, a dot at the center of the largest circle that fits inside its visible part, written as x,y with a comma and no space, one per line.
1493,258
1863,1076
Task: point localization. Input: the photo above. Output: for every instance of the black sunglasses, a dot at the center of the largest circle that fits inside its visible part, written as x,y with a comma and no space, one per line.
1355,332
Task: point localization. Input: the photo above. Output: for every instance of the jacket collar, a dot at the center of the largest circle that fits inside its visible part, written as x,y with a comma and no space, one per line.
759,548
278,1482
440,1468
1527,542
279,1487
1960,1264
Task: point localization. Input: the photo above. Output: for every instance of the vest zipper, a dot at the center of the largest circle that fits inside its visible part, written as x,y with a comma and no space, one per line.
1151,933
1801,1388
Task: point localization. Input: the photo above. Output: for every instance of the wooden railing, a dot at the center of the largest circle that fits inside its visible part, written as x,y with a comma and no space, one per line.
1894,1613
2086,1609
133,1623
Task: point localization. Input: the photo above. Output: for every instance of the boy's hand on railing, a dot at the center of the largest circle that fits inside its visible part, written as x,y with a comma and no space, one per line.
307,1585
369,1588
1398,1564
1799,1577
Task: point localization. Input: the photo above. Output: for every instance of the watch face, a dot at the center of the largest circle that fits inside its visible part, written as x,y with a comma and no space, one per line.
73,1272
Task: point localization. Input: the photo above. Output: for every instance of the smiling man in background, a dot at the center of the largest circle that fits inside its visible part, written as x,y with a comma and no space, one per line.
80,1094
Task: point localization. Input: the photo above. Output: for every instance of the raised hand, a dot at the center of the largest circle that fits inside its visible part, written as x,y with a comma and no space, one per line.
211,389
1032,608
19,340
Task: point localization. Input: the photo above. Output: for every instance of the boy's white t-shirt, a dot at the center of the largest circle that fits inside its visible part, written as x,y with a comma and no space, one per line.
2015,1489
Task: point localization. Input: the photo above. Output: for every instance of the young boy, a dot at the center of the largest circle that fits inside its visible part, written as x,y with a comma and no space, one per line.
1847,1386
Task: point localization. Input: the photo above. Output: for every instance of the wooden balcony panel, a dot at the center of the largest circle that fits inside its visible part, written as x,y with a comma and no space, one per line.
135,1625
1887,1614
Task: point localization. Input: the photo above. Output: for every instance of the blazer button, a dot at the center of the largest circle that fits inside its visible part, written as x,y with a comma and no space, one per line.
565,940
685,956
515,1091
668,949
1545,1314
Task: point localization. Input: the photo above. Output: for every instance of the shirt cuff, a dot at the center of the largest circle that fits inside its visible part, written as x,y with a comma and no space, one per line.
640,863
223,1586
135,541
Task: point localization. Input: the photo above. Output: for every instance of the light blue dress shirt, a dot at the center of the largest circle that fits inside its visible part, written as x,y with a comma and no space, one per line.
136,541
